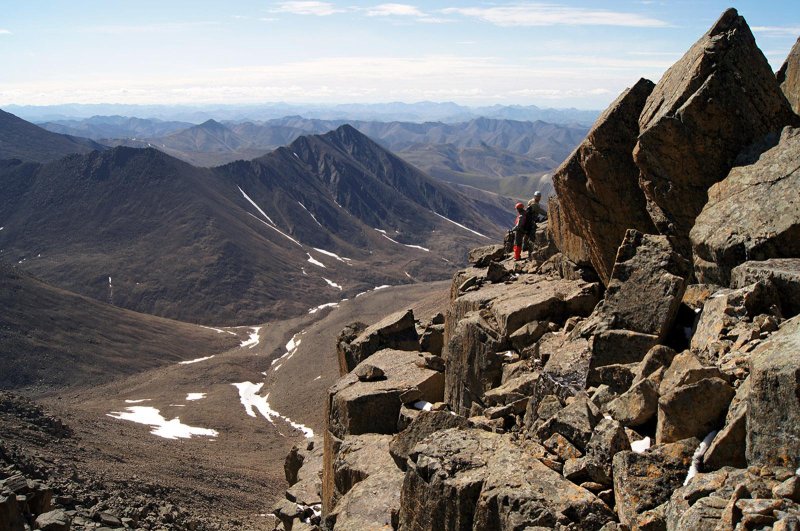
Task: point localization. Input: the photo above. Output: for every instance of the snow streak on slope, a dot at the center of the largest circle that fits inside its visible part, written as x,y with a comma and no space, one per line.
323,306
248,395
196,360
315,261
332,284
333,255
276,229
310,214
462,226
254,338
255,205
383,233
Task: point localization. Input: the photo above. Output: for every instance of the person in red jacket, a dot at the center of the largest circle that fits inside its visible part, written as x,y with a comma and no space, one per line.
519,230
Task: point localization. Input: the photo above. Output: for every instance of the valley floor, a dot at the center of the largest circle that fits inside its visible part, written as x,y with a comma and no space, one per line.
247,407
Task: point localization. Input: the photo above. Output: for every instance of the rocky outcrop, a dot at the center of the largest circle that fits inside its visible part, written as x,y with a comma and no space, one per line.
641,301
598,185
783,273
573,246
789,77
396,331
773,405
752,214
718,99
472,479
356,407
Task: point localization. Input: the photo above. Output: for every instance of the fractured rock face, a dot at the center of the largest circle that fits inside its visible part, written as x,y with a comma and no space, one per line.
644,481
692,410
424,424
789,77
598,185
752,214
394,331
472,479
783,273
561,233
773,407
719,98
356,407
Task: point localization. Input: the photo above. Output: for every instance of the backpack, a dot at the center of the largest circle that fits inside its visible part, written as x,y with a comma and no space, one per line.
530,220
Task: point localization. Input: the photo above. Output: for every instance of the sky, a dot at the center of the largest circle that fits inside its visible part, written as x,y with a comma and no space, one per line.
567,53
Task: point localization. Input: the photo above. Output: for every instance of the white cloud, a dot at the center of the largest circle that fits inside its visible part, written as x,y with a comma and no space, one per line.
778,30
535,14
307,7
402,10
388,10
5,32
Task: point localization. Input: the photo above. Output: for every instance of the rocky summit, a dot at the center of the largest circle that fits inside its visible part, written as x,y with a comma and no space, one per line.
640,370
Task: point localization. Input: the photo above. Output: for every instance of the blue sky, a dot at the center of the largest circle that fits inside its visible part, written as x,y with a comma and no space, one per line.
555,54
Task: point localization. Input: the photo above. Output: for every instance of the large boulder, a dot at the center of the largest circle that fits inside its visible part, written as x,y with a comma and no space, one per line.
643,481
598,185
373,503
789,77
355,407
773,406
424,424
718,99
359,457
394,331
473,479
481,256
570,244
693,410
752,214
783,273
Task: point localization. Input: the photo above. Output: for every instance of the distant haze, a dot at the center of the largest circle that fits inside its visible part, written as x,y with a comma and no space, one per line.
565,54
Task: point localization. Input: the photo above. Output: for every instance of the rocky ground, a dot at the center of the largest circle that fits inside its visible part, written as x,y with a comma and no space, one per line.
640,371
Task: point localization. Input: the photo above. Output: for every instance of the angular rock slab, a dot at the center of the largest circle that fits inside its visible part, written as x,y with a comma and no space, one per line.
394,331
789,77
566,240
598,185
783,273
426,423
752,214
355,407
693,410
773,407
472,479
646,286
719,98
644,481
371,504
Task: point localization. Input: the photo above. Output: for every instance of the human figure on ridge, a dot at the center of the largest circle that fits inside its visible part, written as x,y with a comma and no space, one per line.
519,230
535,213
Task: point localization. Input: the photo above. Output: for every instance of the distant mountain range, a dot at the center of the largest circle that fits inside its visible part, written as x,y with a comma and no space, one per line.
409,112
501,156
325,218
23,140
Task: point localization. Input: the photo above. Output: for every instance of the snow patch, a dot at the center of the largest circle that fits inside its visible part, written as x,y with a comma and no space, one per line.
418,247
423,405
195,396
332,284
409,276
138,401
254,338
168,429
697,457
323,306
196,360
255,205
318,378
383,233
248,395
315,261
382,286
641,445
462,226
291,349
333,255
